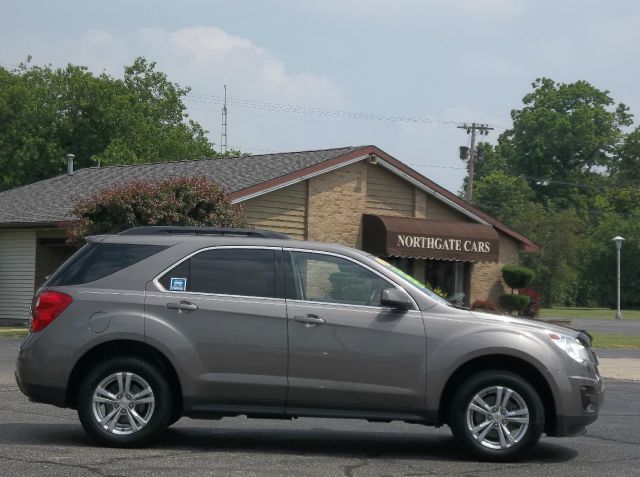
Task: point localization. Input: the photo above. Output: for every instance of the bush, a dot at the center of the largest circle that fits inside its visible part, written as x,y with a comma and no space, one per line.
517,277
514,303
182,201
485,305
533,307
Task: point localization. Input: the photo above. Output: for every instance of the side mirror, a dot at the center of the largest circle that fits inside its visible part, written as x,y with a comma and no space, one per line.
394,298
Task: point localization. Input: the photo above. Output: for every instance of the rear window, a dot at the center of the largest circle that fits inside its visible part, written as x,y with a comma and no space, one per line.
98,260
244,272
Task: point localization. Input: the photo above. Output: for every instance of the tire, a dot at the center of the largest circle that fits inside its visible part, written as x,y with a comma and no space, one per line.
126,421
491,432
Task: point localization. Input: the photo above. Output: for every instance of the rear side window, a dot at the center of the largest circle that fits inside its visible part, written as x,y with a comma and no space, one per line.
244,272
98,260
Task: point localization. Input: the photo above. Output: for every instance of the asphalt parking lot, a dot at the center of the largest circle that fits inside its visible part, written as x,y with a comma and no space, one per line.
43,440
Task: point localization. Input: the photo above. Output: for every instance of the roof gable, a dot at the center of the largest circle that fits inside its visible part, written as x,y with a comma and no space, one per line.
398,168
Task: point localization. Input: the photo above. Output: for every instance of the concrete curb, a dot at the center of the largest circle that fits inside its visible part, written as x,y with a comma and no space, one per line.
620,368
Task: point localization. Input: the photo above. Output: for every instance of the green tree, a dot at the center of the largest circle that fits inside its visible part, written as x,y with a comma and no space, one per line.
599,277
563,136
628,170
182,201
567,175
507,198
47,113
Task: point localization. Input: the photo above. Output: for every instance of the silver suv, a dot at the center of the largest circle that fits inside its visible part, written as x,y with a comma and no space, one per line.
139,329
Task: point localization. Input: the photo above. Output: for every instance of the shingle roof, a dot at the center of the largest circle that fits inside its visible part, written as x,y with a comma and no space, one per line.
51,200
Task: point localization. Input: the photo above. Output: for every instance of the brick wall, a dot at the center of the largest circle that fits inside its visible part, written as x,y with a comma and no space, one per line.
486,281
336,205
330,207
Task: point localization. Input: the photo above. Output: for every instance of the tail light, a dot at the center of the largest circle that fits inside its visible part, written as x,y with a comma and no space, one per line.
47,307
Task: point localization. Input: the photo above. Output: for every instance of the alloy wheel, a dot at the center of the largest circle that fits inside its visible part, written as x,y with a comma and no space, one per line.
123,403
497,417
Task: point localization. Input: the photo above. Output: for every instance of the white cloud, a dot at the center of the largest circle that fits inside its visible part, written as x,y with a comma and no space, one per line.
203,57
417,11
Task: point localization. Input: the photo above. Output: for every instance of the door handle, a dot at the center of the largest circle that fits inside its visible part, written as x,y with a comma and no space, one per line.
182,306
309,320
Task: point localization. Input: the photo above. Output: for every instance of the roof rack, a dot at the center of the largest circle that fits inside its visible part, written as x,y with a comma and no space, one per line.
221,231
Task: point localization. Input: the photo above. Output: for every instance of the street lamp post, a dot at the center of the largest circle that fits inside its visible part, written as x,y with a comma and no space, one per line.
618,241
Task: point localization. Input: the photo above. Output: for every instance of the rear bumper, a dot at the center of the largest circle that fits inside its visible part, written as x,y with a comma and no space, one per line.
36,378
43,394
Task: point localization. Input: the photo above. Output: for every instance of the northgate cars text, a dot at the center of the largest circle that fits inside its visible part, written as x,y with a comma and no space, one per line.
437,243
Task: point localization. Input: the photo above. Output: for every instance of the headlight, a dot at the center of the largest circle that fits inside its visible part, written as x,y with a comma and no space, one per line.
570,345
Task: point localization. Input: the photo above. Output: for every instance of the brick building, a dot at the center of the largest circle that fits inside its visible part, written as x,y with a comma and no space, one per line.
357,196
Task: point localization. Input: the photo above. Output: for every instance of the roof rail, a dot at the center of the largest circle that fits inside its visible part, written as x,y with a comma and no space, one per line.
177,230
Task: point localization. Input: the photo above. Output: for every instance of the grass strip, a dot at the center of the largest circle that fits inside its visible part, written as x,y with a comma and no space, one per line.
603,340
13,332
587,313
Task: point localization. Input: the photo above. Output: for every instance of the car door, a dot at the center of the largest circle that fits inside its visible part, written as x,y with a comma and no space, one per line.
347,353
221,314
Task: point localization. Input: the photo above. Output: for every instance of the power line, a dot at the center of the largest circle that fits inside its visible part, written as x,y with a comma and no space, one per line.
315,111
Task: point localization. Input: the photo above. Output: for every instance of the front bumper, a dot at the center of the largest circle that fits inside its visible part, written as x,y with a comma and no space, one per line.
582,398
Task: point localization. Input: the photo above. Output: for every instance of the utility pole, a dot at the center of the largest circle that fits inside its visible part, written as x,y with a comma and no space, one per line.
472,153
223,136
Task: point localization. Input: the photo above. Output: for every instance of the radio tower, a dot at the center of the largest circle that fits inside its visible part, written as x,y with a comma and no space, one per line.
223,136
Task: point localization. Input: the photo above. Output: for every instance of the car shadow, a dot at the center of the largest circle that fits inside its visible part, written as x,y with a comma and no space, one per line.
310,441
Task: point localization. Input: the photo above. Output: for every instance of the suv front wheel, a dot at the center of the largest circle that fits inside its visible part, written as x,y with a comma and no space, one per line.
125,402
496,415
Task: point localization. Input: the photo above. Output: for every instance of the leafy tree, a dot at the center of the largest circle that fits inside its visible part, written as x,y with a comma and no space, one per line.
558,267
567,175
182,201
599,277
507,198
628,171
47,113
563,134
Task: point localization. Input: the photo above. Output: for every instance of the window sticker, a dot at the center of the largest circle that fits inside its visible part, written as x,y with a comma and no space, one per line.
178,284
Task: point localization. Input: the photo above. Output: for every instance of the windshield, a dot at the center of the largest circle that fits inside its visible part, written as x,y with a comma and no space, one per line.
416,283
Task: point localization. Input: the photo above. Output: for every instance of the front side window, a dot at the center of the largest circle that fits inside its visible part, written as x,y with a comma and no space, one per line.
414,281
243,272
331,279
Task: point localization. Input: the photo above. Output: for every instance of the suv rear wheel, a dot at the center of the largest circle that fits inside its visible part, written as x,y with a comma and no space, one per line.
496,415
125,402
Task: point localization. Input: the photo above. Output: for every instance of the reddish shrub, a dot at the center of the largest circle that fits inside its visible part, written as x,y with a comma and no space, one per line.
182,201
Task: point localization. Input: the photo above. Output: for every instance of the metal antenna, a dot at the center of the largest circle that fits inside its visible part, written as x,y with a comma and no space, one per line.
223,137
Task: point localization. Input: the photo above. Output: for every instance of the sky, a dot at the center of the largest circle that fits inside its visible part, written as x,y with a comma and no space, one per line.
315,74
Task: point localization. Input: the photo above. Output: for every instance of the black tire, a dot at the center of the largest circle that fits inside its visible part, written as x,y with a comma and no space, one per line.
155,407
495,445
